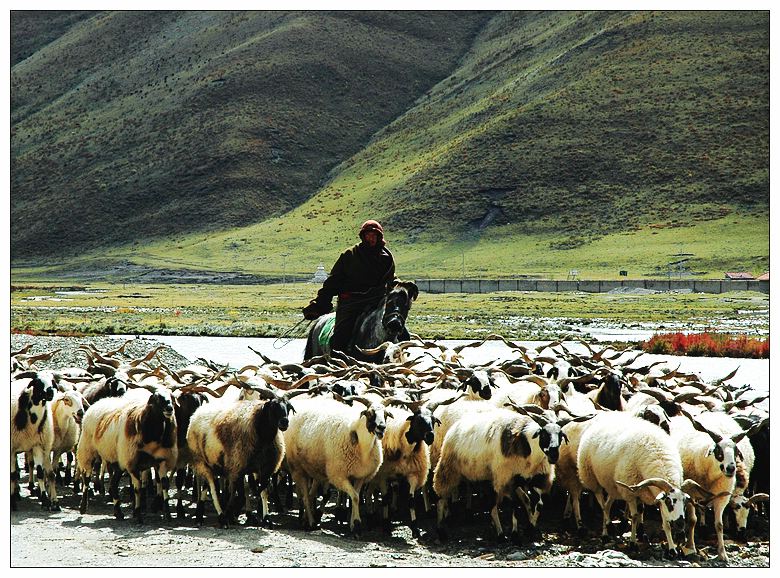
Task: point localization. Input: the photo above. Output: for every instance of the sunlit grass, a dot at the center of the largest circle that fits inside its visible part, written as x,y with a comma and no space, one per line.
272,310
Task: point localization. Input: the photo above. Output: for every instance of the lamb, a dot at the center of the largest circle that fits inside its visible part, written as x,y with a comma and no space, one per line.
130,433
499,446
331,442
709,446
621,457
237,439
32,430
67,411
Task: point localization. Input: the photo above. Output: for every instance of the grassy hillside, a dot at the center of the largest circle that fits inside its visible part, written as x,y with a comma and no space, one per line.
596,141
133,125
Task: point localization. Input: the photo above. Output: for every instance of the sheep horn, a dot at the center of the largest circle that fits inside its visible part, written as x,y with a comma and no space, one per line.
263,357
149,356
540,381
699,427
434,405
381,347
755,498
657,482
22,351
695,490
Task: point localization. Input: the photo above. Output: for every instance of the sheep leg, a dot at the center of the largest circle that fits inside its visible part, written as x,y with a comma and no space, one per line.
384,493
247,483
302,485
690,546
574,498
181,474
45,475
113,489
494,515
163,475
14,481
29,465
68,468
634,514
415,527
343,484
605,501
215,499
718,507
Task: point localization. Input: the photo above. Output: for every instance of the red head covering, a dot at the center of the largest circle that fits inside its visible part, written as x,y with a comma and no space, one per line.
372,225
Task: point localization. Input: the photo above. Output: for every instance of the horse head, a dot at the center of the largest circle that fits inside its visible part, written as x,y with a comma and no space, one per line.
397,303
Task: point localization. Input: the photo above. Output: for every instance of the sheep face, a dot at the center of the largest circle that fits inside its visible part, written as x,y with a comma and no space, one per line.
551,437
654,413
375,420
43,389
74,402
611,390
279,412
116,387
672,506
480,383
162,400
421,427
726,453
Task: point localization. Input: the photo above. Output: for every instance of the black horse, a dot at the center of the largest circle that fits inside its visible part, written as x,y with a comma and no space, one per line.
384,322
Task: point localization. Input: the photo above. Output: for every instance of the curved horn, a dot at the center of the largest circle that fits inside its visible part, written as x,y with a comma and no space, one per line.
699,427
377,349
755,498
434,405
657,482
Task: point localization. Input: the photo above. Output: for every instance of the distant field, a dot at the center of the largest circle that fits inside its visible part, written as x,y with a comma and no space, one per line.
272,310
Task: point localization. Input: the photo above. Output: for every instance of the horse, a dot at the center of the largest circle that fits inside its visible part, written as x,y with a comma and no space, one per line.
386,321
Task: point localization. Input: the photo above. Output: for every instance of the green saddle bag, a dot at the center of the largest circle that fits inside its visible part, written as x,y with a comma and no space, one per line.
327,332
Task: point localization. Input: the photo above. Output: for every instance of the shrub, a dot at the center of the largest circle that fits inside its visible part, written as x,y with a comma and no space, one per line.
707,344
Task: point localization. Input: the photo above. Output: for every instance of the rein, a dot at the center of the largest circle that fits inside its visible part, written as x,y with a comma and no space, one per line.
300,329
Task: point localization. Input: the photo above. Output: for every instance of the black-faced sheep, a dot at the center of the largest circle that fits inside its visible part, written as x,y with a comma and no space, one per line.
237,439
131,433
331,442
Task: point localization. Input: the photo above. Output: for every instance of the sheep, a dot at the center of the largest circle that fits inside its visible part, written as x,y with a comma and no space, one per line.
330,441
32,430
237,439
113,386
609,394
67,412
405,450
710,446
130,433
499,446
621,457
186,402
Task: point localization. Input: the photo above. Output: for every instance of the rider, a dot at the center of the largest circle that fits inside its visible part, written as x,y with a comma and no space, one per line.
360,278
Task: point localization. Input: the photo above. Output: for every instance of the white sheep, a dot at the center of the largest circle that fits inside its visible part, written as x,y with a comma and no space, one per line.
331,442
621,457
32,430
67,411
710,445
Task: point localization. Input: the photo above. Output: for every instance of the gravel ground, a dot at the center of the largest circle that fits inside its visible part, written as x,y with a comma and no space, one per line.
96,539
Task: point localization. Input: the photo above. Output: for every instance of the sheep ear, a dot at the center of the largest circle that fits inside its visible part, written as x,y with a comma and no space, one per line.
436,421
410,418
536,433
564,437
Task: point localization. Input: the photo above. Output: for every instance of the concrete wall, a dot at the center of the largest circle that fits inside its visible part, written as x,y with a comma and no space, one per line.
553,286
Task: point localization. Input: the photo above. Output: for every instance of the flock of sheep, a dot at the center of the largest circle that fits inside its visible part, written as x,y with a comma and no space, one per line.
420,425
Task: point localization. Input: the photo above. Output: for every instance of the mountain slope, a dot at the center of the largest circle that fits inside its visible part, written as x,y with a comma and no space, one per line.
590,140
131,125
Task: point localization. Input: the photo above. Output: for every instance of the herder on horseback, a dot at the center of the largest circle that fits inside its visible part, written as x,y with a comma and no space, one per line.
360,278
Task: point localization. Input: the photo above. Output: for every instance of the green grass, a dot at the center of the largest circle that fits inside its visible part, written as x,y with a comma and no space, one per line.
272,310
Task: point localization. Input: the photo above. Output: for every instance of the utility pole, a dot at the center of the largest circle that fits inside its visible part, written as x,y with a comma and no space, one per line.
284,267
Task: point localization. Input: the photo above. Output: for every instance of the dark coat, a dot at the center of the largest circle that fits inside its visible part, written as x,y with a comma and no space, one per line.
358,270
